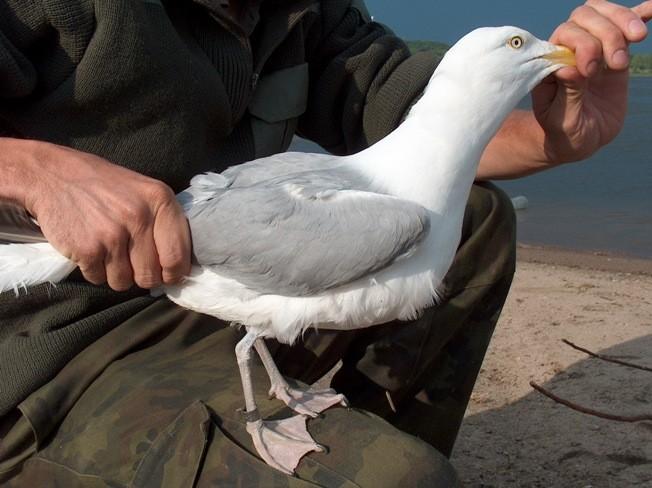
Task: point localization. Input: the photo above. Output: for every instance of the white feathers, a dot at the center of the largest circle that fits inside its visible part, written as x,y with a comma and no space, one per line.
209,181
24,265
354,306
430,160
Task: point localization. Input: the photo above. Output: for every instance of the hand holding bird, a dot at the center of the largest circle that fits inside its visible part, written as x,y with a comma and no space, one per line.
581,109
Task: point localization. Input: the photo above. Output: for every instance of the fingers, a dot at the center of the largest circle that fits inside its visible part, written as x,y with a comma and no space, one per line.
148,250
644,11
588,48
607,34
599,32
625,19
172,238
161,254
118,226
146,243
119,274
93,272
145,260
105,259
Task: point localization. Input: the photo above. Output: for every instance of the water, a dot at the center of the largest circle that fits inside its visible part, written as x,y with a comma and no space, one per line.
602,204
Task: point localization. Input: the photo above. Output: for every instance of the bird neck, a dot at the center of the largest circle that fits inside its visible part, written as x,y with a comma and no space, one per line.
433,156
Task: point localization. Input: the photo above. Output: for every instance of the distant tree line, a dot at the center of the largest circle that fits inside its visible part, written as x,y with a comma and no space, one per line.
641,64
439,47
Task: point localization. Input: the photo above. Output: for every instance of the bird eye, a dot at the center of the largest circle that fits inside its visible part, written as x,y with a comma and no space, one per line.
516,42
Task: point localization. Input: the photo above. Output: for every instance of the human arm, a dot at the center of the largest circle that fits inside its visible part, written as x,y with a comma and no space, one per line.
117,225
363,79
578,110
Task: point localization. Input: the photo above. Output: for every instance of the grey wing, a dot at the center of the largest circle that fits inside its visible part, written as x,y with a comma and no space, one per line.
205,186
303,234
278,165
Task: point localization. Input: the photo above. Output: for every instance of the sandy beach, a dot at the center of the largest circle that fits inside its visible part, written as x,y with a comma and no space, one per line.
514,436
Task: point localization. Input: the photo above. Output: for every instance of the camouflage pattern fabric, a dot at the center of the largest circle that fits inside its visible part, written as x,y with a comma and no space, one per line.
155,402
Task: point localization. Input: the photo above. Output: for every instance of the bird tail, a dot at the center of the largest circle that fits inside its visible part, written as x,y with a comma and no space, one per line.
23,265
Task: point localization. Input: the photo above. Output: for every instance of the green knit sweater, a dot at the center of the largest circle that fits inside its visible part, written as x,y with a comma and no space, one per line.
171,89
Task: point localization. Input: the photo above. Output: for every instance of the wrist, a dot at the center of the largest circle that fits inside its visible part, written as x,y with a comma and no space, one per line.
560,148
518,149
21,163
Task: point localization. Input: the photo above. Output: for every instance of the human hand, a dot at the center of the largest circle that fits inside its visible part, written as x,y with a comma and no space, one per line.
583,108
117,225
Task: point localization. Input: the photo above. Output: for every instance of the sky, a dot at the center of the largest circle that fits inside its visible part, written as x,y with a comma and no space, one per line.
448,21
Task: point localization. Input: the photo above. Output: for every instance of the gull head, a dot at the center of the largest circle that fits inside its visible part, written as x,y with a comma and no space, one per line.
508,56
492,68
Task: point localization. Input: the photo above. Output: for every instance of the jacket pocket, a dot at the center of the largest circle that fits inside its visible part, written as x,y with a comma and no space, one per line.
229,463
175,457
194,451
280,98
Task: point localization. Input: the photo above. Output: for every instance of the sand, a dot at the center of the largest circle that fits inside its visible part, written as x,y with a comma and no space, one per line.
513,436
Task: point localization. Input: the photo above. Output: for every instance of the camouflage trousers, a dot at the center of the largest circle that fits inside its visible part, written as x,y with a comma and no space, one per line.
155,402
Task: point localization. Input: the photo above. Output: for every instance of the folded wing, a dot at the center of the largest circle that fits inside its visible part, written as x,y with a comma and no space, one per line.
303,233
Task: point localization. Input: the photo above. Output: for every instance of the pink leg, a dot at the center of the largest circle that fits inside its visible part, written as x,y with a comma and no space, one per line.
306,401
280,443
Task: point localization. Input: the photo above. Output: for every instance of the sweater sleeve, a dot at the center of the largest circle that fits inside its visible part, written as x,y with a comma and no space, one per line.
41,43
22,25
363,79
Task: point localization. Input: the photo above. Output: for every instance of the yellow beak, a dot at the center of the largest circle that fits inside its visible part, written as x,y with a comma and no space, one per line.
561,55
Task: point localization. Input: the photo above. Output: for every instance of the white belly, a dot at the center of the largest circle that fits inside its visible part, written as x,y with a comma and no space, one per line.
400,291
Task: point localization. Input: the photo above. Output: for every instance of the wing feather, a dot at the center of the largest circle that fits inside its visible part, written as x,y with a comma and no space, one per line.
303,233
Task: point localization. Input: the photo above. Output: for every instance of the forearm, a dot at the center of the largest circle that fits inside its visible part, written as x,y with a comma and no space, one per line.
119,226
517,150
363,79
18,168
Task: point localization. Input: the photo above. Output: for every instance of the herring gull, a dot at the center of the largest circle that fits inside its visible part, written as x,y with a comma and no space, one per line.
298,240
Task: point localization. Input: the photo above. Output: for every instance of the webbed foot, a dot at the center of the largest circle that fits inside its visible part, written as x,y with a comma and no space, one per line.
307,401
282,443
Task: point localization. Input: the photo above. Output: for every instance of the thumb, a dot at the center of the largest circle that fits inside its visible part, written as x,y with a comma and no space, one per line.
644,11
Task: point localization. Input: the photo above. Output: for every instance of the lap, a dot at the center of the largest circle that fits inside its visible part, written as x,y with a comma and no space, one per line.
157,398
167,415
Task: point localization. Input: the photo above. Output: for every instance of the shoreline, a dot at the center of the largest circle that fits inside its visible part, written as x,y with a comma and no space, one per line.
512,436
583,259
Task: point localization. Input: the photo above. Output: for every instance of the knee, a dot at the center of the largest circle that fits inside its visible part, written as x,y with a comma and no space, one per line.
370,452
490,213
487,250
489,231
422,465
408,461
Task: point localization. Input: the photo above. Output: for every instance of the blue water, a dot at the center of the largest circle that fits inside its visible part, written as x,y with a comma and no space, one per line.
602,204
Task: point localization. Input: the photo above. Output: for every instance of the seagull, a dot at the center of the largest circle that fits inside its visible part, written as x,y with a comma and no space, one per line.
296,240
